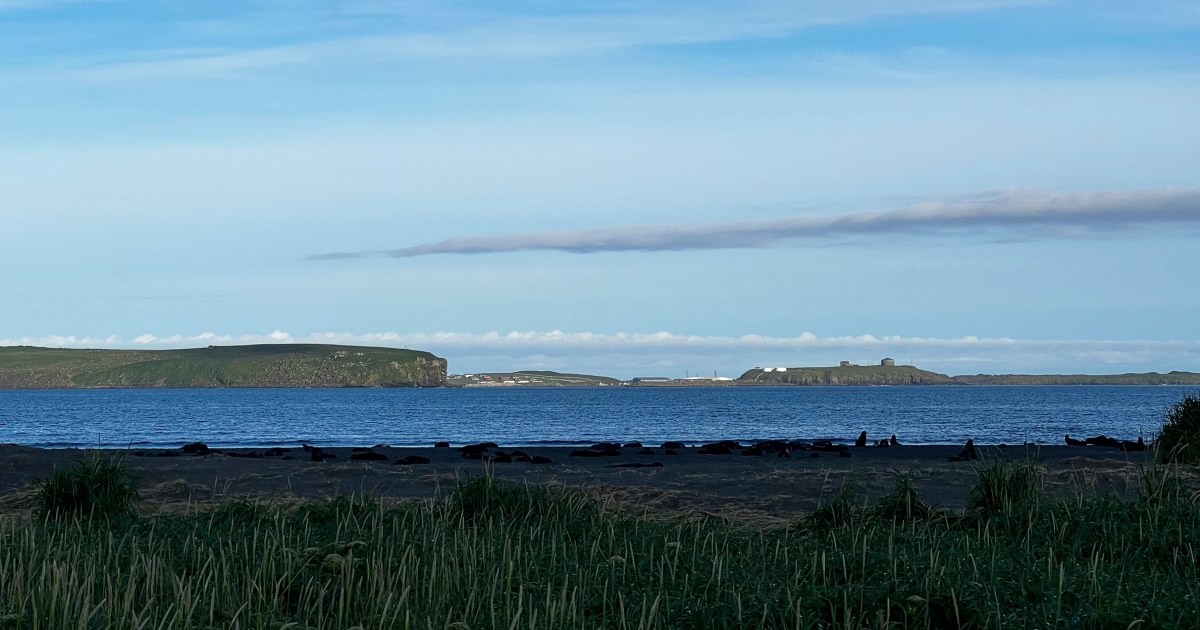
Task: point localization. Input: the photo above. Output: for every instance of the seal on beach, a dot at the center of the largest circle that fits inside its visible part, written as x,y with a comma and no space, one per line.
442,444
1103,440
589,452
368,456
1133,447
196,448
1072,441
967,453
410,460
862,439
605,446
316,454
634,444
893,440
675,445
538,459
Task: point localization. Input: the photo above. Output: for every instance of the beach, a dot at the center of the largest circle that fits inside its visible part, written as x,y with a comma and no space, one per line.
757,489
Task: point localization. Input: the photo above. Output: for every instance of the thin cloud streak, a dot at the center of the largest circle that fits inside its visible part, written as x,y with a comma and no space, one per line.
1015,214
502,35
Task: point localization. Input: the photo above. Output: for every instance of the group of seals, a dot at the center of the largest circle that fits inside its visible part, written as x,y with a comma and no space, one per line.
1103,440
862,440
482,451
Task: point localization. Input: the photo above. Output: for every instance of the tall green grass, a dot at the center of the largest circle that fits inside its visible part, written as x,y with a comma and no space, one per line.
95,488
504,556
1179,439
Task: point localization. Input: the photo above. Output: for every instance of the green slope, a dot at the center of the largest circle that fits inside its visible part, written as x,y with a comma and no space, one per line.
274,365
1143,378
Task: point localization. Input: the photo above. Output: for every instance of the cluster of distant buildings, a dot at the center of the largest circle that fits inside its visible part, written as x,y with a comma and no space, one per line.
885,362
486,380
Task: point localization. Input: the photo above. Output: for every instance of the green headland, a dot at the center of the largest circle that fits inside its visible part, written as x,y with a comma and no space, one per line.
273,365
911,375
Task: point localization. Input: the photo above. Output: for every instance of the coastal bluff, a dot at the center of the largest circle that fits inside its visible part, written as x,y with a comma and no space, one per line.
910,375
844,375
266,365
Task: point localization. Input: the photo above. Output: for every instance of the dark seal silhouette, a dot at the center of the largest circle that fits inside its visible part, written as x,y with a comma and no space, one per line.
589,452
967,453
1133,447
196,448
862,439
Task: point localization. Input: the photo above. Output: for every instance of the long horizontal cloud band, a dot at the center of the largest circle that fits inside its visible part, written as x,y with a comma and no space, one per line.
1025,213
555,340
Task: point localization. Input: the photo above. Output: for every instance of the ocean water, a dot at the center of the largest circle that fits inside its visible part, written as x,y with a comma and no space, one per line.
568,416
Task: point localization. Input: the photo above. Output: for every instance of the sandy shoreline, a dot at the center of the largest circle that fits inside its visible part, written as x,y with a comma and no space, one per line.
766,488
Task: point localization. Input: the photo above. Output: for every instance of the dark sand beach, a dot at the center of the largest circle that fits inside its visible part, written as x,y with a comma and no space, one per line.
738,487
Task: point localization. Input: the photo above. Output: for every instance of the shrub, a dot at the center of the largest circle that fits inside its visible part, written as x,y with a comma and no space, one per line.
1179,439
97,487
487,496
842,510
1002,487
903,504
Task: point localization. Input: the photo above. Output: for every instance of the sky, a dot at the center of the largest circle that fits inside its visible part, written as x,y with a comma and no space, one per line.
649,188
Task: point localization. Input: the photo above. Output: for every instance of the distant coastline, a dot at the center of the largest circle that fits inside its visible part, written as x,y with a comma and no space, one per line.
318,365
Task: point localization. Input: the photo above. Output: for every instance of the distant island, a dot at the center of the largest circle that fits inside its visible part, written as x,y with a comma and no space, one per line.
268,365
319,365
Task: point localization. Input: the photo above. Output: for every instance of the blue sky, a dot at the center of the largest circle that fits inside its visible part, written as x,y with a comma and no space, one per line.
622,188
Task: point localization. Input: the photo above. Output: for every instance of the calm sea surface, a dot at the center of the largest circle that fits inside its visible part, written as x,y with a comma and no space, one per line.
258,417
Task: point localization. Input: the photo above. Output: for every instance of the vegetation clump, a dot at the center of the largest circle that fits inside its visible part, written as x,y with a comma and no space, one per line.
1004,487
95,488
1179,439
904,504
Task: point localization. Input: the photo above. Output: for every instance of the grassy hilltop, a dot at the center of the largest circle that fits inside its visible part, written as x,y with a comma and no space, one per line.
1143,378
909,375
272,365
846,375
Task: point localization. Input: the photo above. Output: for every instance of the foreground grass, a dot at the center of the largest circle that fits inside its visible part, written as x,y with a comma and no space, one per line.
503,556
